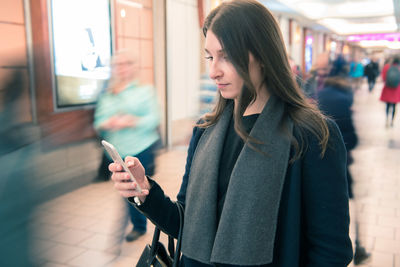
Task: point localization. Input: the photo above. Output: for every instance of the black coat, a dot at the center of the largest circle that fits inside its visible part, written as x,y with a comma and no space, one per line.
371,70
313,220
336,102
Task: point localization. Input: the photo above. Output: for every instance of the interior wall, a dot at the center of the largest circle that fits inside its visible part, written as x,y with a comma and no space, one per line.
134,32
13,57
183,66
297,43
160,57
318,45
284,26
183,42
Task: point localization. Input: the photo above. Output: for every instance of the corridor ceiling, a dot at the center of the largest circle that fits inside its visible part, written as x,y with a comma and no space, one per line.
344,17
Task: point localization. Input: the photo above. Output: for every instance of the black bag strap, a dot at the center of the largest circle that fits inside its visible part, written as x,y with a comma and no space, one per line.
171,246
178,243
154,243
173,253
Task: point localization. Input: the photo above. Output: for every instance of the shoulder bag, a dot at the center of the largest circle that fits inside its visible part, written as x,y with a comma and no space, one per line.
155,255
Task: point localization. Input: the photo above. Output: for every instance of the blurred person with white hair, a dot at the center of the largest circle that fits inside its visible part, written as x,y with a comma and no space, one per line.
127,116
319,73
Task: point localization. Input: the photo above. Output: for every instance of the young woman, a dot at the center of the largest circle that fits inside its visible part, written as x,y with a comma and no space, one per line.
265,178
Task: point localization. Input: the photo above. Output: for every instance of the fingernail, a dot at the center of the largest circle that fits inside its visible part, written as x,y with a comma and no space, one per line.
130,163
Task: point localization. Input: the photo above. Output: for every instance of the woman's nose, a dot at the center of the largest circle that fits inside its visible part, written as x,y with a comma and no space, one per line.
215,71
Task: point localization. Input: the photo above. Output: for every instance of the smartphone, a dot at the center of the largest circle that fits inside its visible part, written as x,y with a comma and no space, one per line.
117,159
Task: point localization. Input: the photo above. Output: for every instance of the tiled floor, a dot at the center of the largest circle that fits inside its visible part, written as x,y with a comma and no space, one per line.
376,172
85,227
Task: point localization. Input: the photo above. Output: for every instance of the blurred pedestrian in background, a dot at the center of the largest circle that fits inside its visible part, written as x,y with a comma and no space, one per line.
371,71
356,73
310,84
318,74
391,89
265,177
296,71
335,100
127,116
18,196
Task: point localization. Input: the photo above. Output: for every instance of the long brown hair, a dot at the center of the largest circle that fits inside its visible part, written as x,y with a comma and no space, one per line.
247,26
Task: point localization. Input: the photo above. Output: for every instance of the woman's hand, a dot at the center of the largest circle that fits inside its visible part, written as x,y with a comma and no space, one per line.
123,182
118,122
108,124
127,121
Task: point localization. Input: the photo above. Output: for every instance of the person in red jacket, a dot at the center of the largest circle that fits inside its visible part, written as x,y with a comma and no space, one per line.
390,95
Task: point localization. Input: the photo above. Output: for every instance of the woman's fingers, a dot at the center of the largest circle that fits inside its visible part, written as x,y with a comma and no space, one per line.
128,185
128,189
127,194
136,168
118,174
123,182
120,177
132,162
130,193
115,167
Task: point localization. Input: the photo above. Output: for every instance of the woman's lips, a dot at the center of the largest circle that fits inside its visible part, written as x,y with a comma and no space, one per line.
222,85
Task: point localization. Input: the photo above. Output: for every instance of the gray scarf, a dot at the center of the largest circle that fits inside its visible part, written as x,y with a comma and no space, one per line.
246,231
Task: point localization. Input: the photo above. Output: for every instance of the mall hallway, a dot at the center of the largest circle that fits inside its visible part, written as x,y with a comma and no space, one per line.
83,227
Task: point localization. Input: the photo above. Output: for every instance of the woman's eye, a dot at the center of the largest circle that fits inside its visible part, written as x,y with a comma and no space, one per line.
208,58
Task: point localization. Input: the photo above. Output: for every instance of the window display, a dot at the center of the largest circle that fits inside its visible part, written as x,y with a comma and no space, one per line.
81,42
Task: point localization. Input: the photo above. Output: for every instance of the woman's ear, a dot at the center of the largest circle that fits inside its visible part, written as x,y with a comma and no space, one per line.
256,70
254,63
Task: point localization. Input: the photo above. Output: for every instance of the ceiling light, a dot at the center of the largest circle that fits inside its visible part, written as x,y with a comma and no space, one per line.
344,27
313,10
348,16
363,9
379,43
393,45
130,3
319,9
374,37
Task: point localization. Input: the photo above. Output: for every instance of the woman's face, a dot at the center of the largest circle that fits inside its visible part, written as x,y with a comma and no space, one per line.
222,71
124,69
